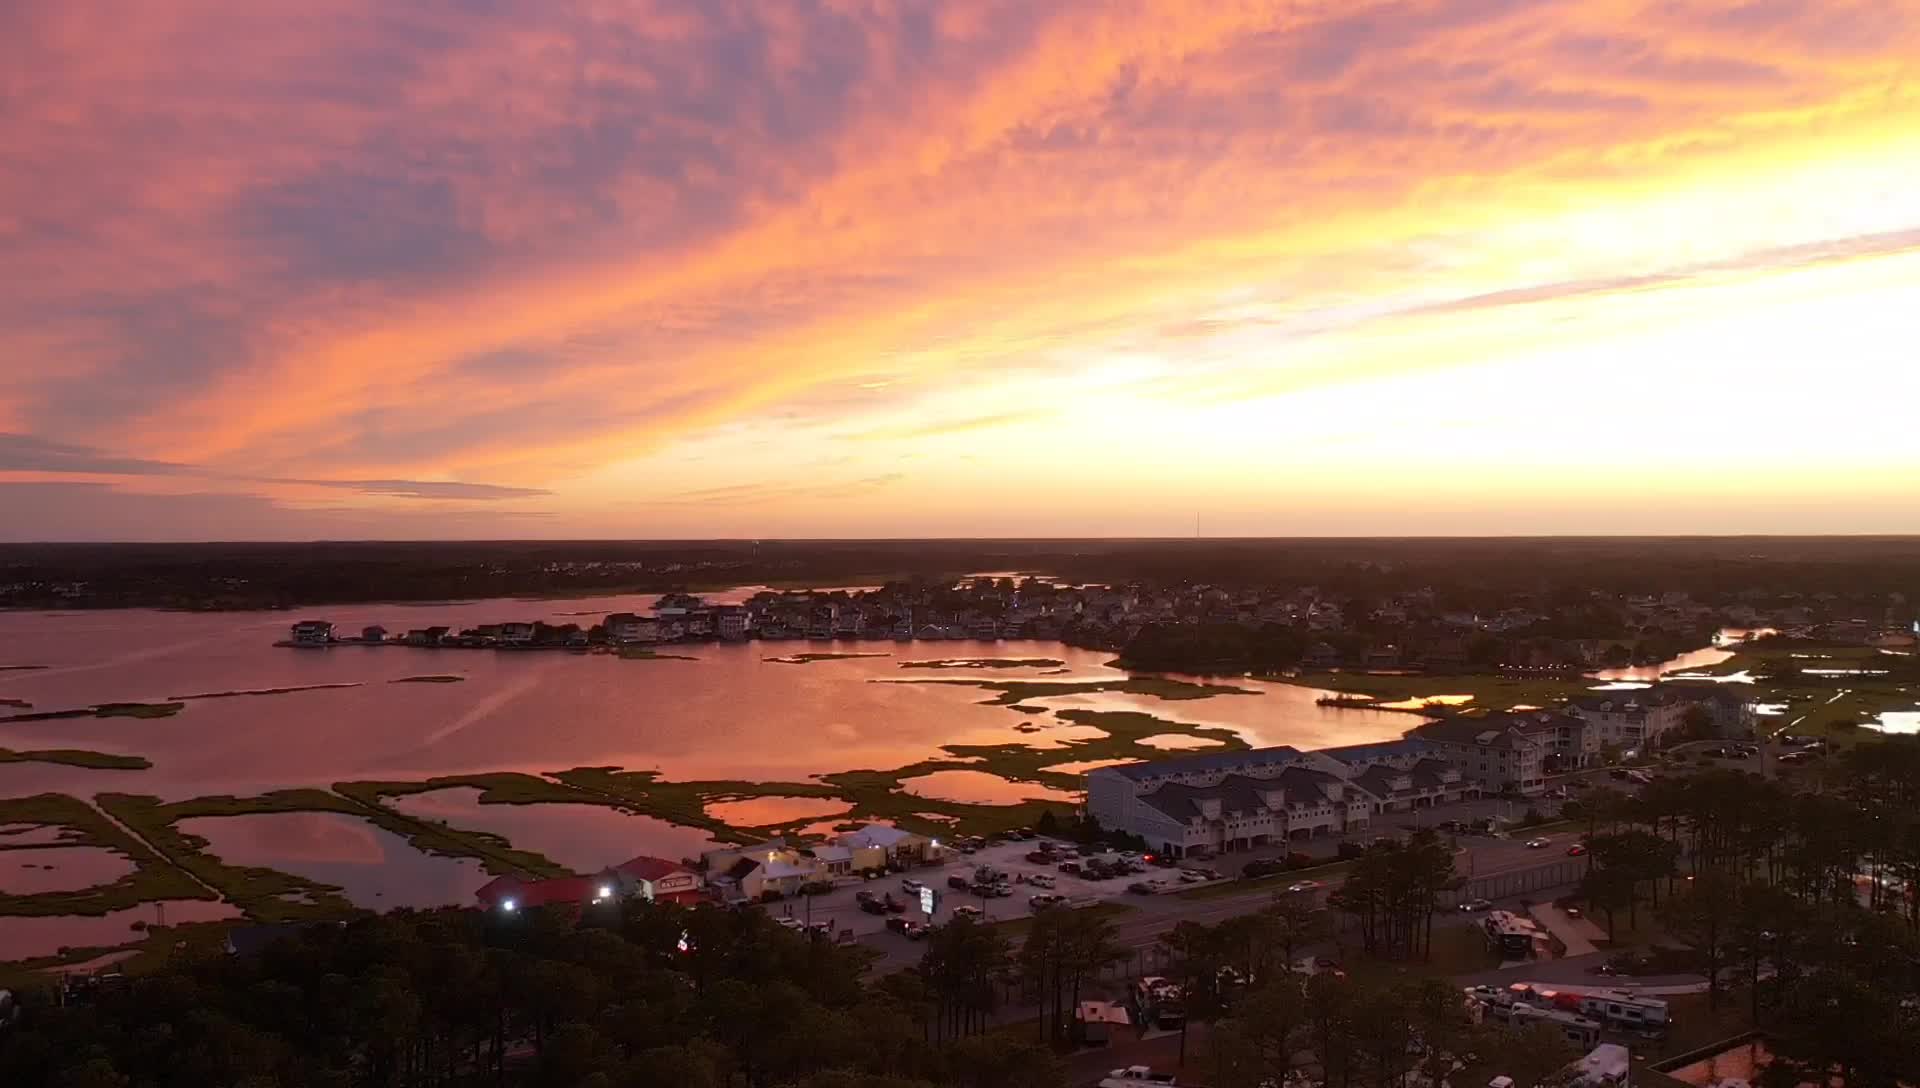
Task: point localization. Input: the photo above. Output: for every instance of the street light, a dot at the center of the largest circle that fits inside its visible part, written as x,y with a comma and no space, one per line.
508,905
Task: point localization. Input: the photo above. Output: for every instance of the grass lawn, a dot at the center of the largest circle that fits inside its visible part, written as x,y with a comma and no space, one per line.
1274,883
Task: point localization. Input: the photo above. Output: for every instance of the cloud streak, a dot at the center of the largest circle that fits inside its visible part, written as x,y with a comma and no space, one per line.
382,251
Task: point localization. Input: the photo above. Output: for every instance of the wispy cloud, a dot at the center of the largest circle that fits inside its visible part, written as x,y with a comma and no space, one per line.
385,250
27,454
740,495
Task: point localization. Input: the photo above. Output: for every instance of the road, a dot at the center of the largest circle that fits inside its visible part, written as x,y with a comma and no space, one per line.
1149,916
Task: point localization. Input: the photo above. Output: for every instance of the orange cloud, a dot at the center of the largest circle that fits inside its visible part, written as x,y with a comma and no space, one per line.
534,245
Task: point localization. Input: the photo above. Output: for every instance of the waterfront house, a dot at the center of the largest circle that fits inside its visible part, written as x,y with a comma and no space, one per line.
313,633
517,633
426,636
373,633
731,623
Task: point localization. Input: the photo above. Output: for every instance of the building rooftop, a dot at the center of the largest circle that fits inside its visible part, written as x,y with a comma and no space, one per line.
650,869
1205,762
875,837
1358,754
1238,793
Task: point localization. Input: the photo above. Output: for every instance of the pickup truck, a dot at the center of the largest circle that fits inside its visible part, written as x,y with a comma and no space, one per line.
1138,1076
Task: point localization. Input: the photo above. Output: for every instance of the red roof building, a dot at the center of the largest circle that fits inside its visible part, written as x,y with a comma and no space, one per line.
646,877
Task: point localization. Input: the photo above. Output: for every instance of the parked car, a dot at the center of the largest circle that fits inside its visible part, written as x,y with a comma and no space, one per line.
1045,900
1476,904
1071,868
958,882
898,924
1261,867
893,906
911,886
1040,857
873,906
1619,773
1142,887
1040,880
816,887
966,910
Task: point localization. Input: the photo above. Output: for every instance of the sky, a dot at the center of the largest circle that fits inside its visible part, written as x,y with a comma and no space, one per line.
846,268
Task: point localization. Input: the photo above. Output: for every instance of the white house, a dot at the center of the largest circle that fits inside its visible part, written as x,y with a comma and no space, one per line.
313,632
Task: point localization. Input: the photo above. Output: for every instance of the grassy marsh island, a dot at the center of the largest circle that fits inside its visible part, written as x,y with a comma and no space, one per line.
433,679
641,653
985,663
810,658
103,710
152,879
263,691
75,757
1012,692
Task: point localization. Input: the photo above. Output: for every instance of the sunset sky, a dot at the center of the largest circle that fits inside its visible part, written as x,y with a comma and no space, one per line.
486,268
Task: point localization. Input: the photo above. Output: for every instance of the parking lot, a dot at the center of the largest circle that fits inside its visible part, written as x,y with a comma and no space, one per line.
841,908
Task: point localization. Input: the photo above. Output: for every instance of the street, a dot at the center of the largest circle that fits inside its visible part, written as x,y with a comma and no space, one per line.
1480,858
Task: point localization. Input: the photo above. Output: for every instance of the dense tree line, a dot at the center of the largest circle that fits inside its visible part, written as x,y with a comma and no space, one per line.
1803,897
649,995
1468,574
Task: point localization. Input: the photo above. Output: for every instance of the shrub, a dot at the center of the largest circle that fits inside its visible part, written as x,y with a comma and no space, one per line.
1351,850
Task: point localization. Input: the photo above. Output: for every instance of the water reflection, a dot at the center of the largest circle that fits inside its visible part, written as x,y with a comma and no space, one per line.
1175,742
25,938
373,867
980,788
1691,660
1085,765
1895,721
727,715
765,811
31,834
1424,700
60,869
584,838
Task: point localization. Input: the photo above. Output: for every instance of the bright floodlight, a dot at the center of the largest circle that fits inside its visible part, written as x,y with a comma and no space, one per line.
606,892
507,905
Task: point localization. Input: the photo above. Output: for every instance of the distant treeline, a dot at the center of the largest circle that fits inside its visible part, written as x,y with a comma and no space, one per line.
1469,573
